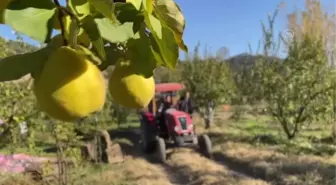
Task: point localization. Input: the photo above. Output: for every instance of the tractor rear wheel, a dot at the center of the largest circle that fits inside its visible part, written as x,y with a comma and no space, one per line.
205,145
161,150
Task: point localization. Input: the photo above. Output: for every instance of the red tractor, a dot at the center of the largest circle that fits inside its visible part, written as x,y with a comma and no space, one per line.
174,128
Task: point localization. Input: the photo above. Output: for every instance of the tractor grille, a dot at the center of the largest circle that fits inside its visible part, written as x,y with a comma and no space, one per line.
183,122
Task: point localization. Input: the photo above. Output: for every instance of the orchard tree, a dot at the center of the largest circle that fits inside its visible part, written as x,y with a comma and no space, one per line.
3,52
298,90
316,23
164,75
210,83
15,98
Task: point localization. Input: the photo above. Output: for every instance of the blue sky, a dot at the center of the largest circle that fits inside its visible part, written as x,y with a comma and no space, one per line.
234,23
230,23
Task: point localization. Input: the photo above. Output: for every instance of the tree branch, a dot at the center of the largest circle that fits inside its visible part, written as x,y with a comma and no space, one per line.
60,16
311,98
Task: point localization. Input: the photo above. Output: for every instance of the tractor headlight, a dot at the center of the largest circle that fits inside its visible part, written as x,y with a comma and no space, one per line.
177,129
191,126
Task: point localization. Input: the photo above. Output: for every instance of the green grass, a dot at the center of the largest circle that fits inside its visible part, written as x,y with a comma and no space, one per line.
265,132
259,147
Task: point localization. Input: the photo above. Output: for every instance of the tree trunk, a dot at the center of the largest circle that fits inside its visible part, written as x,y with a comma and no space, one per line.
210,117
290,134
95,149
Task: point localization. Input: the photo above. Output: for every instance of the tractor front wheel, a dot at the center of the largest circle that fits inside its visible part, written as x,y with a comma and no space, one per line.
205,145
161,150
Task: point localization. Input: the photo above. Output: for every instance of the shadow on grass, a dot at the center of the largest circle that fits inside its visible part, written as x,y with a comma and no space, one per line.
128,140
273,172
242,167
184,174
222,138
51,149
317,147
121,133
325,140
132,146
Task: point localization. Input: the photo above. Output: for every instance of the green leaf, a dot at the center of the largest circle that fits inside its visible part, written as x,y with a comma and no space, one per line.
17,66
126,12
80,7
115,32
171,15
106,7
155,26
113,54
129,21
22,15
163,42
136,3
148,6
91,28
141,54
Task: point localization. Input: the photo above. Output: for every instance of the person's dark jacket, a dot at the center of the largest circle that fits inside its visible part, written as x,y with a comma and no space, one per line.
186,105
166,105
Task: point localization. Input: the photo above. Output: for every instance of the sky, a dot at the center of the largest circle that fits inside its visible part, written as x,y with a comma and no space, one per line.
224,23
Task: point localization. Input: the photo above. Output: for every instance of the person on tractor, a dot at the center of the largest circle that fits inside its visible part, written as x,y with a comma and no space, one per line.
160,103
185,104
167,104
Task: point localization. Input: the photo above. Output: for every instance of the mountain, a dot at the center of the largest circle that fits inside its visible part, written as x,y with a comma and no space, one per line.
247,60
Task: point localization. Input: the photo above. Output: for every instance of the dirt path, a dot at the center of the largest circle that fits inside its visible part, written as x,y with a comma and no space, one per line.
185,166
136,153
202,171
